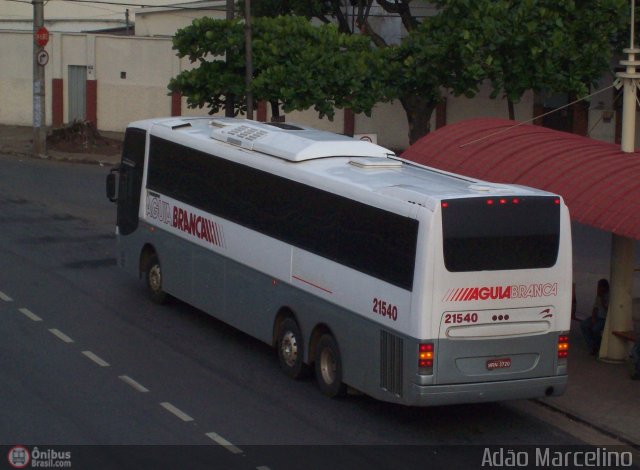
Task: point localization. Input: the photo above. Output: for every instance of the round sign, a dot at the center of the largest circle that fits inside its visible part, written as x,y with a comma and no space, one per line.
43,57
42,36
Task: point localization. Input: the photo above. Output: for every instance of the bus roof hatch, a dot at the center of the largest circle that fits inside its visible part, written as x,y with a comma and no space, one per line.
292,143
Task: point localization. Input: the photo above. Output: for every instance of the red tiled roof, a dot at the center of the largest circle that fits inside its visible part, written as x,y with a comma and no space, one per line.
599,182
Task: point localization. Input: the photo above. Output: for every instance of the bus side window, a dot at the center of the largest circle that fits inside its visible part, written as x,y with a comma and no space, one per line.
130,183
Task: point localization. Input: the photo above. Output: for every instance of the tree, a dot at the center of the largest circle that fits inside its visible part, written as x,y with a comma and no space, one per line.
539,44
296,65
414,72
519,45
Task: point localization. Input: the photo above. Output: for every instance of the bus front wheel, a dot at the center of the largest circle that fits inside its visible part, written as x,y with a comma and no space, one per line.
328,367
154,281
290,349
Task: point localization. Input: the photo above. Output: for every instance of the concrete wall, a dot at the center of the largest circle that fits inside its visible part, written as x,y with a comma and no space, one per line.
165,22
132,79
16,78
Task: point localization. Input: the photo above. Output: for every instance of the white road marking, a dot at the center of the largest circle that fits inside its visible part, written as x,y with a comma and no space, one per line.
98,360
60,335
218,439
175,411
262,467
29,314
5,297
136,385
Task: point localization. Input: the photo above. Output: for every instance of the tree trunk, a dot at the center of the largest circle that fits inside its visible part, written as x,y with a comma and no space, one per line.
275,111
512,111
419,111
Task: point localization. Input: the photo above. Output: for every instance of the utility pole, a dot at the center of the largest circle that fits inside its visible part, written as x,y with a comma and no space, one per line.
40,59
619,316
249,57
229,99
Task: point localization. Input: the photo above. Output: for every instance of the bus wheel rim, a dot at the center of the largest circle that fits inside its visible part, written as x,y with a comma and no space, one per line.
289,348
155,278
328,366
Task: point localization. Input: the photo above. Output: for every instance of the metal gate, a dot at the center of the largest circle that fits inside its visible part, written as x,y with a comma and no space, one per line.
77,92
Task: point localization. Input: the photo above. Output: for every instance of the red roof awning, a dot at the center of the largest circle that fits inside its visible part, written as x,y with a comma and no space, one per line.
599,182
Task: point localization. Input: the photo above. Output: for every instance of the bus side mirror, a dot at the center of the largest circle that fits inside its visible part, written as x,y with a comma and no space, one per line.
111,185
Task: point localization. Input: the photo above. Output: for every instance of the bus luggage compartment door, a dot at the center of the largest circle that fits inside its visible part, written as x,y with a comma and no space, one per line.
499,345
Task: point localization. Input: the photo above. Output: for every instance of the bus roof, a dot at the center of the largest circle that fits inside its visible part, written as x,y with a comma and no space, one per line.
329,159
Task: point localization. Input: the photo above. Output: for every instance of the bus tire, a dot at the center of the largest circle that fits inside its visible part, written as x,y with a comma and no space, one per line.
154,281
290,349
328,367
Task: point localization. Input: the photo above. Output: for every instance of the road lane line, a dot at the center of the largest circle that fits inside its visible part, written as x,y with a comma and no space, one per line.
218,439
175,411
60,335
262,467
98,360
29,314
5,297
136,385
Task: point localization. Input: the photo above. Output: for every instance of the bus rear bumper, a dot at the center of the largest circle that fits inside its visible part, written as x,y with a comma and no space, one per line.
433,395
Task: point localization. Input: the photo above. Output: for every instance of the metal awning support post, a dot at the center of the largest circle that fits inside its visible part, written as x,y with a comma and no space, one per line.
620,302
619,317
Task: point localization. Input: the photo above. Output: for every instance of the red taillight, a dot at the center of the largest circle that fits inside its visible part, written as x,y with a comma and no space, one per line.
426,356
445,204
556,201
563,346
515,200
502,201
490,202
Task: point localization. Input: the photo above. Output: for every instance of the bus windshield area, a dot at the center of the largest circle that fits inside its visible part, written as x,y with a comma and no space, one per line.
500,233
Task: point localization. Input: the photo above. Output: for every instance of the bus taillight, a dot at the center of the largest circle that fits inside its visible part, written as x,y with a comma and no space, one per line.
563,346
426,355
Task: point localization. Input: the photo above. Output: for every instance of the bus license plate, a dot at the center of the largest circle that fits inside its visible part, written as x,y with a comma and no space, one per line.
503,363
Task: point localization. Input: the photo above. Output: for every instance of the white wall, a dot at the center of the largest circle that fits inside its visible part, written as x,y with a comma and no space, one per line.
148,65
16,79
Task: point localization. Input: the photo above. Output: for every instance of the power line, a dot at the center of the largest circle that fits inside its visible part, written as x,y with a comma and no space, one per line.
506,129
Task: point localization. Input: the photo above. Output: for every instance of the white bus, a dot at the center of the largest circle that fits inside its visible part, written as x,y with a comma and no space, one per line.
407,283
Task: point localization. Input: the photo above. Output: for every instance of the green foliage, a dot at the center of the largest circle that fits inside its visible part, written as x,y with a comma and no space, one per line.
208,43
297,64
525,45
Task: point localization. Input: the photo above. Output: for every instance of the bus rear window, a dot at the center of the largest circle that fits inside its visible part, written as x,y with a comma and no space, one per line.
500,233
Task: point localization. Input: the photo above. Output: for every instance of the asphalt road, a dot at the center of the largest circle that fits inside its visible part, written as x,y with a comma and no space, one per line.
86,359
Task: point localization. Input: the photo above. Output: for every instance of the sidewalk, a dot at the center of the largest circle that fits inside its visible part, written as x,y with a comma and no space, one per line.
18,141
599,394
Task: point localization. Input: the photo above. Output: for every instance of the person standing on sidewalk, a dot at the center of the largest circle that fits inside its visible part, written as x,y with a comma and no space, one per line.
593,326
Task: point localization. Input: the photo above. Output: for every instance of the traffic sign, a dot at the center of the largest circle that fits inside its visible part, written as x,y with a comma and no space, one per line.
42,36
42,58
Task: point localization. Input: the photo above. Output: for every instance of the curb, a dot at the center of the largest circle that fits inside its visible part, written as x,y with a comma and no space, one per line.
624,440
102,160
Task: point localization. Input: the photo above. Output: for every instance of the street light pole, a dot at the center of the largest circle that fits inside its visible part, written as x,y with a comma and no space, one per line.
249,57
39,107
229,108
619,316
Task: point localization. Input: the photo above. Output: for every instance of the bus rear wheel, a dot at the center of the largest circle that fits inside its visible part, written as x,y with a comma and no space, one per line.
154,281
328,367
290,350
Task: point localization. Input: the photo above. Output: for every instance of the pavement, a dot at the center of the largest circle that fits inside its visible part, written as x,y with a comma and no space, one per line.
18,141
600,394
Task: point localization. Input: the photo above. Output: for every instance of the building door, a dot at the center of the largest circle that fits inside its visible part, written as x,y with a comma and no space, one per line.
77,92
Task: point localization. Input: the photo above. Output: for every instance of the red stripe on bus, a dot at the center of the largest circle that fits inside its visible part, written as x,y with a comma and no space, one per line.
312,284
